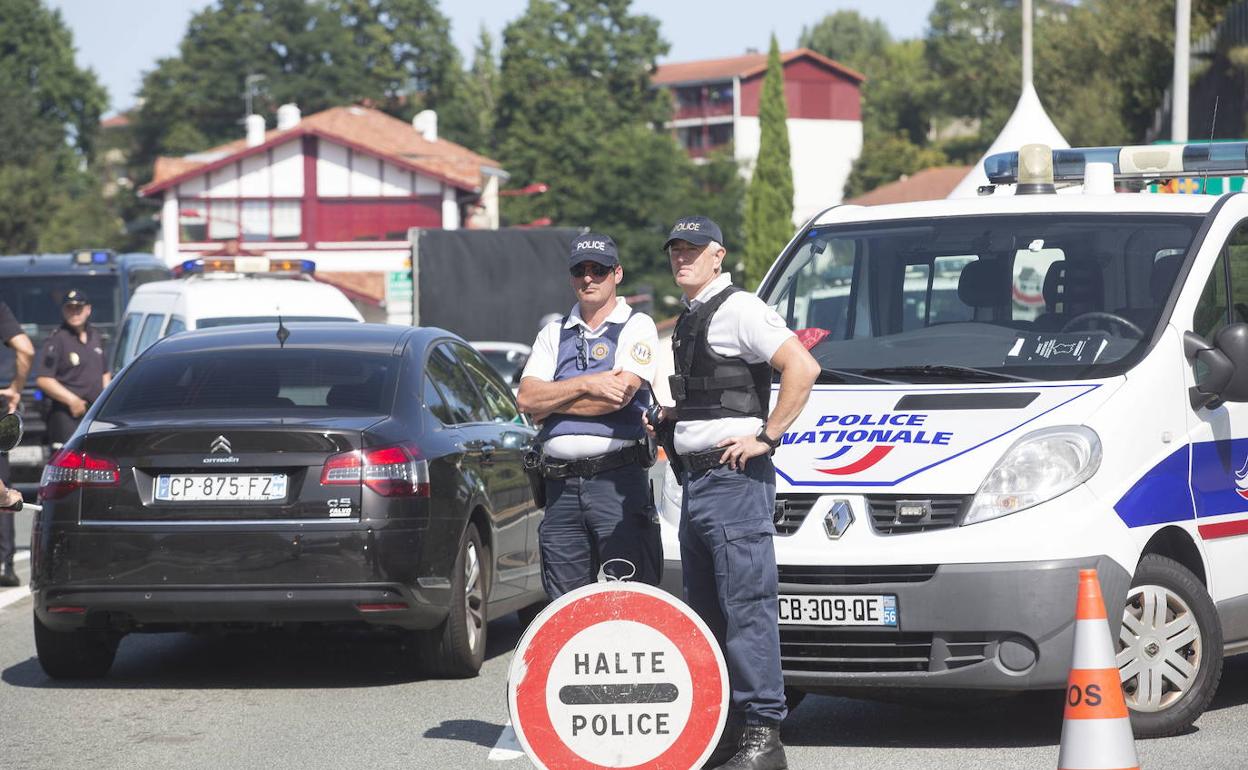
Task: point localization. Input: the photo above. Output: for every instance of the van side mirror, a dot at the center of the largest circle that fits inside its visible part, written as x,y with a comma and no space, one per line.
10,431
1221,368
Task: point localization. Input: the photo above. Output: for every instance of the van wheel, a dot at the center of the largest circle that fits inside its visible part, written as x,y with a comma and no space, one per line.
1169,648
456,648
74,654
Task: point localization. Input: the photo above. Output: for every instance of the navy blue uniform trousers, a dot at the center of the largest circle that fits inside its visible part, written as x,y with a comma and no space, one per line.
729,564
590,521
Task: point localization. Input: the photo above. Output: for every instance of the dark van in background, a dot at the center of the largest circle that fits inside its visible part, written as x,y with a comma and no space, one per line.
32,285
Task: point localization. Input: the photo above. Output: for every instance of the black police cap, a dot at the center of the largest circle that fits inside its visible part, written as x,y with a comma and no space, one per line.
75,297
696,230
594,247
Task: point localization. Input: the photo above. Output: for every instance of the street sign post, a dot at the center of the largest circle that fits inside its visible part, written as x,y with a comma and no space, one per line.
618,675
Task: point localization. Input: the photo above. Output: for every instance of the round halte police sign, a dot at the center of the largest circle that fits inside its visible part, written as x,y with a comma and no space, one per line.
618,675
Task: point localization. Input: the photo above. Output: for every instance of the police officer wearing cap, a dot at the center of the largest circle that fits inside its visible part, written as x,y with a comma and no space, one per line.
726,345
70,368
10,399
588,381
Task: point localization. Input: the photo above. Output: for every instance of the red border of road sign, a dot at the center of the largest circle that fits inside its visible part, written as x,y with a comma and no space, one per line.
704,669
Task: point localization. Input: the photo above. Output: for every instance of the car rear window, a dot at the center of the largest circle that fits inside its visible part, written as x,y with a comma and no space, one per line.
325,381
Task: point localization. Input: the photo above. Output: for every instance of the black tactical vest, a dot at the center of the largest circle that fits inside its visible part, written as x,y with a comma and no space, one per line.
708,386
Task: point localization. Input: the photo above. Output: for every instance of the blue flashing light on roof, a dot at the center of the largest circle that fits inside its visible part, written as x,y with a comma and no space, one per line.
244,265
93,257
1158,161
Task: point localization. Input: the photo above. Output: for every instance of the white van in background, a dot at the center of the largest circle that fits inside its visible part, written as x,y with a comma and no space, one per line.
225,297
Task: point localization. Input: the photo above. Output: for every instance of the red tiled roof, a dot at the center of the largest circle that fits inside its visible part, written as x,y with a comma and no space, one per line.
120,120
740,66
926,185
360,127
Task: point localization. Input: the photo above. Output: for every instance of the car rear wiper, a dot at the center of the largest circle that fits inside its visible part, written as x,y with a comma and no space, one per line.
955,373
842,376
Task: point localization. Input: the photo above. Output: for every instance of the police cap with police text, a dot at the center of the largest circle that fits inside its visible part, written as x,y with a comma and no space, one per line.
75,297
696,230
594,247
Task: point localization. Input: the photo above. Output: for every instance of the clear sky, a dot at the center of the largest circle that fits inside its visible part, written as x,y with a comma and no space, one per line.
120,39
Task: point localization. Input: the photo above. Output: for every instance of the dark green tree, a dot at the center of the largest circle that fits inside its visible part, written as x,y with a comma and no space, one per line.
577,112
49,113
396,55
769,198
849,38
886,159
473,110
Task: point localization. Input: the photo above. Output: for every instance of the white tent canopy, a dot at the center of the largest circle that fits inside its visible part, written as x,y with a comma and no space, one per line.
1029,124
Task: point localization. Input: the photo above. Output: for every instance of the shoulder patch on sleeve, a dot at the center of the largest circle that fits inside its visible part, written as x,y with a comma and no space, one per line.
641,353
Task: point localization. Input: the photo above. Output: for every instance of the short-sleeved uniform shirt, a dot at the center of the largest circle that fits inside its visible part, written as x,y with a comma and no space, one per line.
9,327
743,327
638,341
77,365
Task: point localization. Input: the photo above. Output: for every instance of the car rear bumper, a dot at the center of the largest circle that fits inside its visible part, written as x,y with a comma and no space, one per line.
68,608
127,576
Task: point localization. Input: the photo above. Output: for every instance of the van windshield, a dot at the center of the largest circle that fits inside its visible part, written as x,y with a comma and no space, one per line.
983,299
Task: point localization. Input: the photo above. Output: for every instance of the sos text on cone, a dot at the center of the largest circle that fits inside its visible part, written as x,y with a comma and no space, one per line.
1096,731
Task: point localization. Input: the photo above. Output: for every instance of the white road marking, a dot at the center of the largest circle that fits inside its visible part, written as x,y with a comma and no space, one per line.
507,747
14,595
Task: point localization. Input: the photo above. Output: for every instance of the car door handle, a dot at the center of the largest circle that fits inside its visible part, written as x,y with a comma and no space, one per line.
487,453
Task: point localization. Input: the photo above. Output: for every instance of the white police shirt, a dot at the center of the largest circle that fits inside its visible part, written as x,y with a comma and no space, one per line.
635,353
743,327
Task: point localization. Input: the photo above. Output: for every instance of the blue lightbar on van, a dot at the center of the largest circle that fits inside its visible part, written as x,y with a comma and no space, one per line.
249,265
1151,161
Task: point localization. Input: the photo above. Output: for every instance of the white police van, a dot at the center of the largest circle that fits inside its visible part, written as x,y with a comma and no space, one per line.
1080,401
227,291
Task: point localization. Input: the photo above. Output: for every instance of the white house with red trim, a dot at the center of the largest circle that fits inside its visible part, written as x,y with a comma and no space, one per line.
716,105
340,187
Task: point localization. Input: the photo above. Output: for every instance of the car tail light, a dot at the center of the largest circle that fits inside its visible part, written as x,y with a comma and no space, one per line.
70,469
393,471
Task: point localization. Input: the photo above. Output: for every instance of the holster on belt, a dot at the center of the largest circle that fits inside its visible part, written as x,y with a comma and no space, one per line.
665,436
532,462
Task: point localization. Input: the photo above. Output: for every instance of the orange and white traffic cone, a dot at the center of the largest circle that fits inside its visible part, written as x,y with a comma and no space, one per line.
1096,732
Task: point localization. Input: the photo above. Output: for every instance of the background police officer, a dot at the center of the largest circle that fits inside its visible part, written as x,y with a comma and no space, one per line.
10,399
726,344
588,381
71,368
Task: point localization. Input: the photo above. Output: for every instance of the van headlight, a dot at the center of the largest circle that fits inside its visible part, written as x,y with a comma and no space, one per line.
1039,467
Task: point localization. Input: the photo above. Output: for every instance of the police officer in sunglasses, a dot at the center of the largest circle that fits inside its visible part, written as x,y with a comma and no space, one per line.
588,382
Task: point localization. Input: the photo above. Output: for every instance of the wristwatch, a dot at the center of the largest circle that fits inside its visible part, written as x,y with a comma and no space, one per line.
762,436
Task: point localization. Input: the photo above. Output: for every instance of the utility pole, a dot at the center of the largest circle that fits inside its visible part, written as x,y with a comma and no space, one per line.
1182,61
1027,59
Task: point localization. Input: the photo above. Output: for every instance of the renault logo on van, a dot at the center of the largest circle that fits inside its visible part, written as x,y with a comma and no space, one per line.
837,520
221,444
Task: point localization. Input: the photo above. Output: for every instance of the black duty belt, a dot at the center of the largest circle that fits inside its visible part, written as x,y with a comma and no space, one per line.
705,460
635,454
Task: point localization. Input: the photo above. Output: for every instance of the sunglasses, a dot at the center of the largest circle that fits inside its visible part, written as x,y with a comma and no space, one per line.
597,271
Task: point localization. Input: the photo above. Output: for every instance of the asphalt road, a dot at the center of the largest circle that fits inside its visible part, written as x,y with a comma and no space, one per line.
300,700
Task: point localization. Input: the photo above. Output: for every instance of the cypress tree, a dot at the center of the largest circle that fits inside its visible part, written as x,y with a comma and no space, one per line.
769,199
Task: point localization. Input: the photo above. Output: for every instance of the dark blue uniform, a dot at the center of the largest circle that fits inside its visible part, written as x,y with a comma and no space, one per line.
593,518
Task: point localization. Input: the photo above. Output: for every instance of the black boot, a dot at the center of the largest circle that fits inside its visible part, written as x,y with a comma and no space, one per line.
8,578
729,741
760,749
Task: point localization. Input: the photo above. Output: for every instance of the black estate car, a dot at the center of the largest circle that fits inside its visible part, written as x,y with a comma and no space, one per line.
315,473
